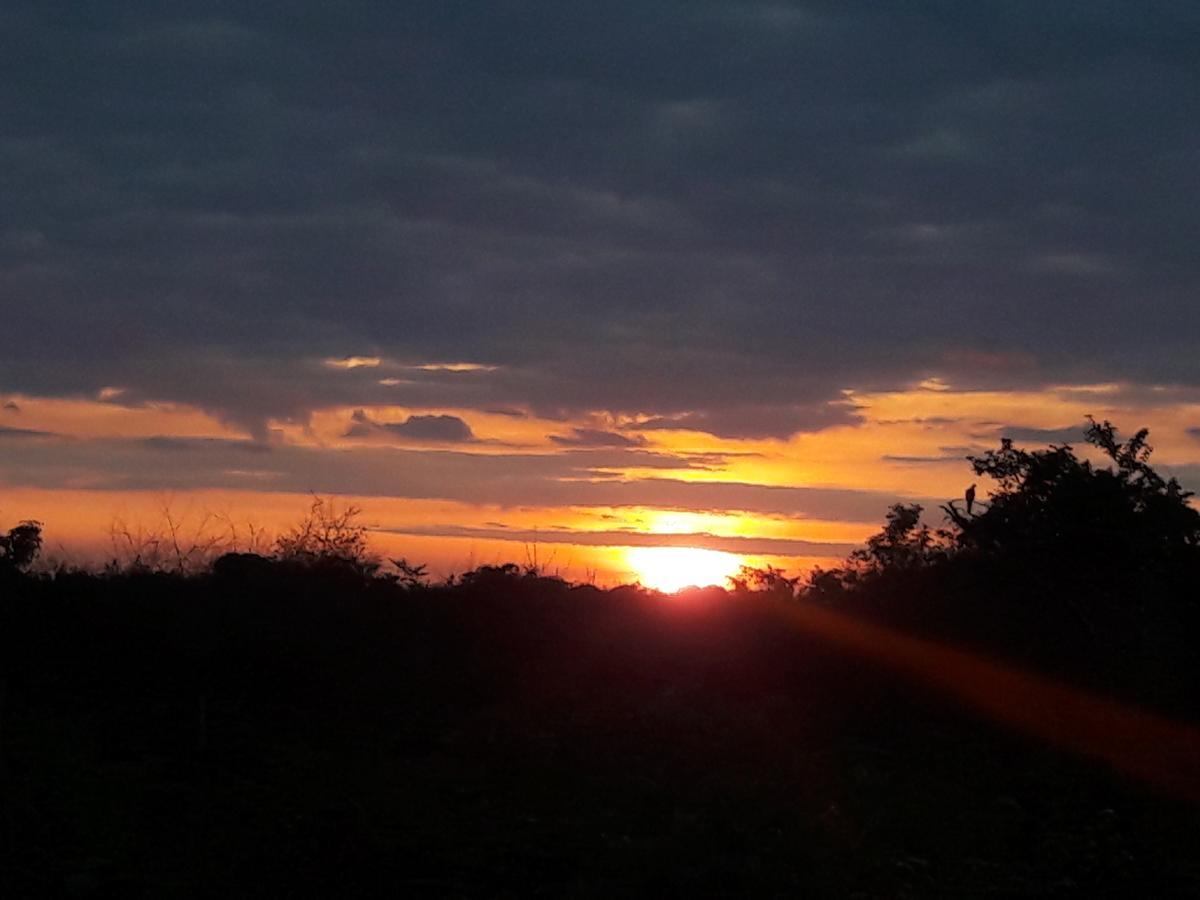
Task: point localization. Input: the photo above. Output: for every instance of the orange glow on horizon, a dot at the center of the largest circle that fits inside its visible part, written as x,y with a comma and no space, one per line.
910,443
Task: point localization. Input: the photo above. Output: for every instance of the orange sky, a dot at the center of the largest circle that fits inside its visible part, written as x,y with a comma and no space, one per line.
587,512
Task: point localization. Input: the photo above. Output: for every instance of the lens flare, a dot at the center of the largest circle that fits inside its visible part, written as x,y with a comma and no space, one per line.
669,569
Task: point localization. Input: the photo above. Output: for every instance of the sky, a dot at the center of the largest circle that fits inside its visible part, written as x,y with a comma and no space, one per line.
576,279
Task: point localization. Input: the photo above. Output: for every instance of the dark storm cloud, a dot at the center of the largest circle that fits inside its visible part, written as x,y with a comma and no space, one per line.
713,215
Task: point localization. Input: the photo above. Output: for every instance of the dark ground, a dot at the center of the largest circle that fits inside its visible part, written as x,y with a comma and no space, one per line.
297,735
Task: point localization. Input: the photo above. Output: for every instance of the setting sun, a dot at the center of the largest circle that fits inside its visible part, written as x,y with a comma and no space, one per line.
668,569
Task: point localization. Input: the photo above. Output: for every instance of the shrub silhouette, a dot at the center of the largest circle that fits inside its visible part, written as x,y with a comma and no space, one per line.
179,542
329,537
21,546
768,580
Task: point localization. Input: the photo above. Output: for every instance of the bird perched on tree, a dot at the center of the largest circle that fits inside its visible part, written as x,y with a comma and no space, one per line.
970,496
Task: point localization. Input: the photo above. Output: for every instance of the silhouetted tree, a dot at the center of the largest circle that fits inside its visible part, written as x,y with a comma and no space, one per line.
1053,509
1052,519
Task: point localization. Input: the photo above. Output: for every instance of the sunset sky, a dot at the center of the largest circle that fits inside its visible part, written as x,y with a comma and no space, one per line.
584,279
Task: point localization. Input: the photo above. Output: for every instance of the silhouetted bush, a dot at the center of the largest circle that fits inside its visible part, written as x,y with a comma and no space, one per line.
329,537
20,546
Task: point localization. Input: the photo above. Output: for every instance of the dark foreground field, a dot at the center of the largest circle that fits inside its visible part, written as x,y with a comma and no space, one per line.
287,733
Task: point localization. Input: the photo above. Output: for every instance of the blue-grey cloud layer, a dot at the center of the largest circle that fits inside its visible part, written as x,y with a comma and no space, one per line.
716,214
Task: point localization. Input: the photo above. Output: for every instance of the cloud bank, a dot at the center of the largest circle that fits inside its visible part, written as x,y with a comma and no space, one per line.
713,216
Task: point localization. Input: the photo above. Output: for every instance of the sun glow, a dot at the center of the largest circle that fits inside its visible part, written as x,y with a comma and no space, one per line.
668,569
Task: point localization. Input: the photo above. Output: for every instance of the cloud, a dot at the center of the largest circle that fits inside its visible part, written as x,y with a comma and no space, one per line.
168,444
439,429
928,421
756,421
353,362
1067,434
625,538
595,437
923,460
940,145
714,216
572,478
455,367
1080,264
7,433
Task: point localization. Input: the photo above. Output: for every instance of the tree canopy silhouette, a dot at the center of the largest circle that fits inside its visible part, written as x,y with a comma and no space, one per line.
1051,512
1081,563
1051,508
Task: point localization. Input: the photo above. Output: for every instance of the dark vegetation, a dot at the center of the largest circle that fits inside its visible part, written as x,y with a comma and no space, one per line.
317,722
1088,572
